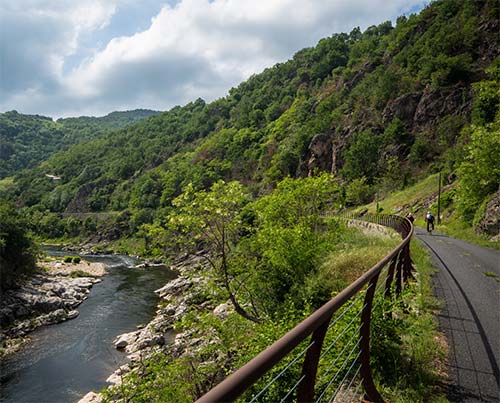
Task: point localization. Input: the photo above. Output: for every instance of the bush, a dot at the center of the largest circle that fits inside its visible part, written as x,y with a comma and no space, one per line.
17,250
76,259
68,259
359,192
479,173
81,273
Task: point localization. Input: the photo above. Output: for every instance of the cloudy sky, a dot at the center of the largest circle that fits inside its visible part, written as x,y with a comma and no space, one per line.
64,58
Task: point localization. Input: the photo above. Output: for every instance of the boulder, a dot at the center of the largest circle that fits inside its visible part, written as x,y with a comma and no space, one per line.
490,223
47,305
56,316
174,287
91,397
72,314
125,339
223,310
82,282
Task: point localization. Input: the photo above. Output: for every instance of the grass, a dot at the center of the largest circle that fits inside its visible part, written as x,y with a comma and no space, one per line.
416,197
81,273
421,354
397,200
411,356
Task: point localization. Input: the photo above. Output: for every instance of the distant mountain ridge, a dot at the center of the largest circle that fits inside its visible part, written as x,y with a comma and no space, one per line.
26,140
113,120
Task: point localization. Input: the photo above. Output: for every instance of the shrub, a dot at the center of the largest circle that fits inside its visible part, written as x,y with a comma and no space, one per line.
17,250
81,273
359,192
76,259
68,259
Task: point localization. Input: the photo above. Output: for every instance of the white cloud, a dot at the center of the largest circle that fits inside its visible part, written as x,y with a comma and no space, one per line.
195,48
35,39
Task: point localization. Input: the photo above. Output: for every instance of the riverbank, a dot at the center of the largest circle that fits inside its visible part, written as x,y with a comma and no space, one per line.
159,335
50,296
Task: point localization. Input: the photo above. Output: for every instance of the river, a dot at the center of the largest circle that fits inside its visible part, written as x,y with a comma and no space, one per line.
65,361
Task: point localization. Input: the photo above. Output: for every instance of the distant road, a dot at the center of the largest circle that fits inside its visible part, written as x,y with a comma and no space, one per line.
468,282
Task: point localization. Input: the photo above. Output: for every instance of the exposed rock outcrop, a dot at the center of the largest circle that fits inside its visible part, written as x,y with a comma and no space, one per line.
490,224
320,153
403,108
41,300
436,104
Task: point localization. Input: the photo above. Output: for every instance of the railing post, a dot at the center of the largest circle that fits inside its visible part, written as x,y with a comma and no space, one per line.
390,277
407,265
399,274
371,392
305,392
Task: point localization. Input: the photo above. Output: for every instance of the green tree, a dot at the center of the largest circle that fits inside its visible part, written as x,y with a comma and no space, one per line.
213,219
290,238
479,173
362,157
17,250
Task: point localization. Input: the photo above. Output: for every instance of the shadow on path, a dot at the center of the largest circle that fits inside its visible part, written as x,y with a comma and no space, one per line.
472,363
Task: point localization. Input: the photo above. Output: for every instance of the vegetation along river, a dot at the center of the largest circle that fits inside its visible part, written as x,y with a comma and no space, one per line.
65,361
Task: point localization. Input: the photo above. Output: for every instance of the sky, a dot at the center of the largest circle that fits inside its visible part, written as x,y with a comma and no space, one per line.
62,58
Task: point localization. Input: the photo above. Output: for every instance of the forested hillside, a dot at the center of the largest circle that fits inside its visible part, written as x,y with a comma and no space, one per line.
26,140
378,109
235,194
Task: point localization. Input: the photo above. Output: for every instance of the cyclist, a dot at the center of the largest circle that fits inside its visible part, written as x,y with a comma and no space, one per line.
429,219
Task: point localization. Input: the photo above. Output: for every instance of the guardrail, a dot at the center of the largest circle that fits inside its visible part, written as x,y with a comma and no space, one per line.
344,364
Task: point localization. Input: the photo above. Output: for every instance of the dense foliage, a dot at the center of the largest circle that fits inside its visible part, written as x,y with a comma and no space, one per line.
244,181
17,251
113,120
275,259
377,108
479,170
26,140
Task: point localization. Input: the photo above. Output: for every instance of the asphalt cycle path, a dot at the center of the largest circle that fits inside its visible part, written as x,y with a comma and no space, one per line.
468,284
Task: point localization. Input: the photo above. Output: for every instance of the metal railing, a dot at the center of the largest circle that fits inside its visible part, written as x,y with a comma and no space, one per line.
344,363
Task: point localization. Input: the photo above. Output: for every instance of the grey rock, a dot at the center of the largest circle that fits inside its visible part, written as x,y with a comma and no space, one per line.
174,287
125,339
223,310
91,397
72,314
490,223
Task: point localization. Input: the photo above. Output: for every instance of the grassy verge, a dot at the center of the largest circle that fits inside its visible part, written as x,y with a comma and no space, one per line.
421,197
414,355
397,200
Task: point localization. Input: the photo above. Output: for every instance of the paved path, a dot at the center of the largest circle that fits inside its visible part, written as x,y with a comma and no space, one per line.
468,281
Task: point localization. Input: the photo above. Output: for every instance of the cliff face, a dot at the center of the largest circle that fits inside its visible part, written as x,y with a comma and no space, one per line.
434,109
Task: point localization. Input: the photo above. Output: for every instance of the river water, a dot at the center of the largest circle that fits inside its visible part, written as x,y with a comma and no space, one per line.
65,361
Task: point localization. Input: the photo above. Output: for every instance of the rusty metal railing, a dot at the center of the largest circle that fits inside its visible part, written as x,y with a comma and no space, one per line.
399,270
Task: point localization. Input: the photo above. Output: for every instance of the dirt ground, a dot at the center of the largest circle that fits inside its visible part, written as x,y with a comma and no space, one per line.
58,267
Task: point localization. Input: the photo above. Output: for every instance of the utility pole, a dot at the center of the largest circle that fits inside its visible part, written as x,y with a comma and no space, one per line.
439,200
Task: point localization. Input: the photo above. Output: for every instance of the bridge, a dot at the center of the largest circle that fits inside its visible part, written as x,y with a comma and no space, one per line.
327,357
